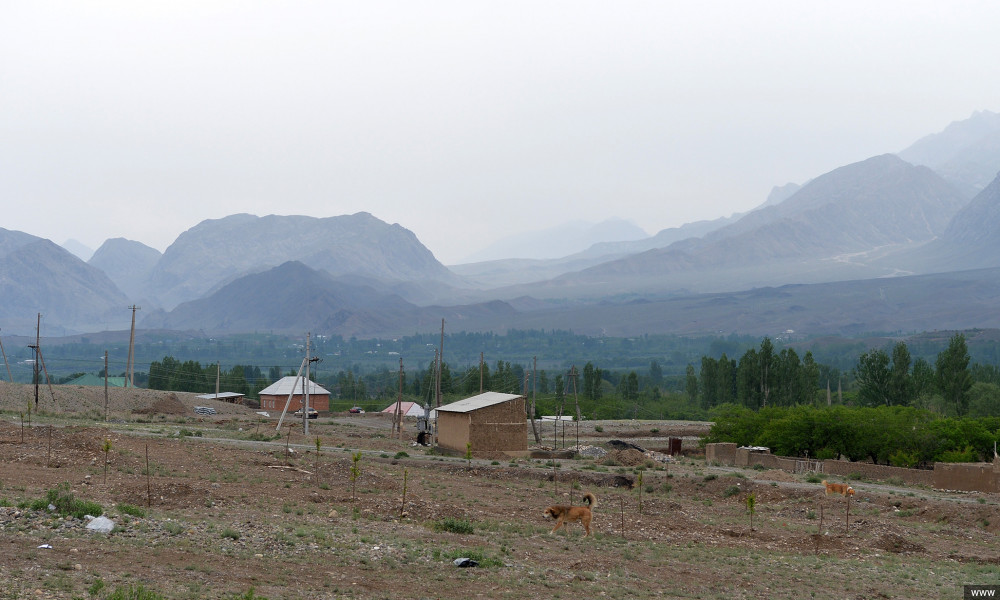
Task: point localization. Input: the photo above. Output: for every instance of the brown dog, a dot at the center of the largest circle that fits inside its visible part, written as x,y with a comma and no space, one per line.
838,488
567,514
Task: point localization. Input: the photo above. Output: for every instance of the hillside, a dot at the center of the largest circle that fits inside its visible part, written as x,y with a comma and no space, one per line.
38,276
219,250
127,263
292,298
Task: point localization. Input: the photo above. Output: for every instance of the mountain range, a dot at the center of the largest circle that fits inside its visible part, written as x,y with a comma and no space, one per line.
810,258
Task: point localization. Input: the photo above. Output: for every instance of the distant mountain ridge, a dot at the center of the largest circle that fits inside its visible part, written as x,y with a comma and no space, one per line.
220,250
128,263
38,276
559,241
292,298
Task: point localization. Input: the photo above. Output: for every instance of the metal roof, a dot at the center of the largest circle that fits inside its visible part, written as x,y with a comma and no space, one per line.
283,387
221,396
476,402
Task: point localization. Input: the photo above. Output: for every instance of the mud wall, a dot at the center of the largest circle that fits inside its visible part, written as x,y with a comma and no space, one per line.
972,477
879,472
724,453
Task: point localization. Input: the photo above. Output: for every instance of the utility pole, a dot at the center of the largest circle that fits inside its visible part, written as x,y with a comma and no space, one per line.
218,375
440,364
305,386
576,399
7,364
397,418
131,347
38,339
480,372
534,430
105,386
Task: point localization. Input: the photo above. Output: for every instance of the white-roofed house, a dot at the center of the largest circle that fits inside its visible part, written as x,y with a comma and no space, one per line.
491,422
274,396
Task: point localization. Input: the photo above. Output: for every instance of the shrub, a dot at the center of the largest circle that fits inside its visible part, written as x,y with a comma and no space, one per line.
813,478
401,454
454,525
66,504
711,477
130,509
731,491
230,533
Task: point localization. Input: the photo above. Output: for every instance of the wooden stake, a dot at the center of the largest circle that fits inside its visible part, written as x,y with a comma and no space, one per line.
48,457
149,489
847,516
623,516
402,507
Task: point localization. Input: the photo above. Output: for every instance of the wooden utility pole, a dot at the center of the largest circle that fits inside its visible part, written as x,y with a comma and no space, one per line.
397,418
131,348
576,399
7,364
534,428
38,338
105,386
480,373
218,375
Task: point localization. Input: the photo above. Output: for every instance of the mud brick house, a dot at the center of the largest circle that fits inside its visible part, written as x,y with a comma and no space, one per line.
274,396
491,422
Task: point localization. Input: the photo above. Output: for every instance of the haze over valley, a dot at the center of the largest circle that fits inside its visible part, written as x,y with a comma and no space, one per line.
878,245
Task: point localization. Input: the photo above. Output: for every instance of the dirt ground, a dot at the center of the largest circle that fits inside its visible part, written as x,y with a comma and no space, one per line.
225,510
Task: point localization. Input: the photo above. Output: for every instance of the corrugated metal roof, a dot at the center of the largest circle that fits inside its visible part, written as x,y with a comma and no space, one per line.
91,379
476,402
283,387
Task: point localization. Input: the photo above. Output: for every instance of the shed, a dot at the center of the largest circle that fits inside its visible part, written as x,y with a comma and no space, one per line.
232,397
274,396
491,422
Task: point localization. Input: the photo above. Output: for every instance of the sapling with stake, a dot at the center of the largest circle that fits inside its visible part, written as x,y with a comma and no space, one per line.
468,454
106,447
751,507
639,481
318,444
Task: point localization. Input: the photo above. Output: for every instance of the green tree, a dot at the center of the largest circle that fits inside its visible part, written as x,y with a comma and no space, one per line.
691,383
900,380
873,377
952,374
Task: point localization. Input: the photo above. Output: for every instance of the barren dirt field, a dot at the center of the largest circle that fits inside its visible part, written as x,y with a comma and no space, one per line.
224,512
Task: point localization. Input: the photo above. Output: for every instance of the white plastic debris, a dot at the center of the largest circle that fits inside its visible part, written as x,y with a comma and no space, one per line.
46,546
101,525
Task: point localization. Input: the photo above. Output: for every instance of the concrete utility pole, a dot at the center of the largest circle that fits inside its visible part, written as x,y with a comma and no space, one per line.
7,364
440,364
305,386
131,347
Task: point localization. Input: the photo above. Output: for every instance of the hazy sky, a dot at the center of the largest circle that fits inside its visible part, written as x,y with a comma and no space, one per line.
462,121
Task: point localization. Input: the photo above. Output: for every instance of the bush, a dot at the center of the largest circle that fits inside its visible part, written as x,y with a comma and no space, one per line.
66,504
401,454
129,509
731,491
711,477
453,525
134,592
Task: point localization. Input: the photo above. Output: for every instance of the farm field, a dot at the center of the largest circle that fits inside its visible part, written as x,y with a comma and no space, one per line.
226,513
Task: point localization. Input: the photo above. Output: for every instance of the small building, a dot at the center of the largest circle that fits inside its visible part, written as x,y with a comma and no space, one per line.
491,422
274,396
409,409
231,397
